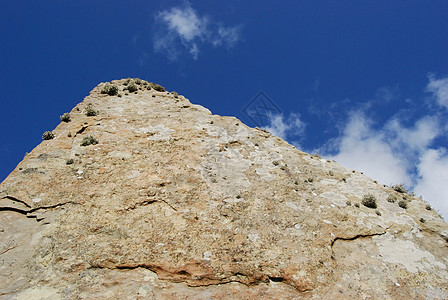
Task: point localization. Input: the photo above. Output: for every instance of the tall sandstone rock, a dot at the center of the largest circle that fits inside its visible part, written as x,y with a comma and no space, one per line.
174,202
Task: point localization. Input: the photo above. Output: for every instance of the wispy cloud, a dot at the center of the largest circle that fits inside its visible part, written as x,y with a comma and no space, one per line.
290,128
439,89
366,149
182,28
433,176
396,153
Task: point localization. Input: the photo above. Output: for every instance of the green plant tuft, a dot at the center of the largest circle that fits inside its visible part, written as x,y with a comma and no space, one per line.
399,188
391,198
90,112
48,135
369,201
157,87
89,140
132,87
403,204
65,117
109,89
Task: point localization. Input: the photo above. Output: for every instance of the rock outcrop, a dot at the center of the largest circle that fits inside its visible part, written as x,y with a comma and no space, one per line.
152,197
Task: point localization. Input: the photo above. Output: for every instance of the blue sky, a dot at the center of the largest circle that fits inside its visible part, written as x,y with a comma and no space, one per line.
361,82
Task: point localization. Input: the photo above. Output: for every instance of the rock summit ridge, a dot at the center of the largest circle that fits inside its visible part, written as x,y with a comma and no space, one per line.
140,193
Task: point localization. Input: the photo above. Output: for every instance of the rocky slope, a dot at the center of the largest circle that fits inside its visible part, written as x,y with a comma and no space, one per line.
176,203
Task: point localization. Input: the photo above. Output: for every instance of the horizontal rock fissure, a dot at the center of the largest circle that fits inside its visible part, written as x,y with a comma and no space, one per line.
16,200
357,237
30,211
202,281
147,202
143,203
17,210
276,279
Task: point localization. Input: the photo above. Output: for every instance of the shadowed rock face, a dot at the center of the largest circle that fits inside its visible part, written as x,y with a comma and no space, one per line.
174,202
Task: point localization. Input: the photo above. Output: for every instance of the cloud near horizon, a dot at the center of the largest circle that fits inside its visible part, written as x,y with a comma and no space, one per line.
183,28
391,153
439,89
289,128
368,150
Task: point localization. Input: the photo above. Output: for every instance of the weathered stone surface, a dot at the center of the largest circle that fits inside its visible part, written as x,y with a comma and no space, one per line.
177,203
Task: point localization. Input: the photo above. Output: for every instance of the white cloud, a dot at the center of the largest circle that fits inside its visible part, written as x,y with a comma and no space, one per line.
185,22
227,35
365,149
439,89
416,138
432,184
183,27
396,153
285,128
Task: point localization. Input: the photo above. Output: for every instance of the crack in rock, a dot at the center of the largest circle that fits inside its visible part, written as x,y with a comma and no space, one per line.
81,130
197,275
358,236
28,212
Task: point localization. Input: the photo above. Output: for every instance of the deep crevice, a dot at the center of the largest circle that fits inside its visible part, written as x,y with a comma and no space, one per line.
276,279
16,200
17,210
357,237
81,130
27,213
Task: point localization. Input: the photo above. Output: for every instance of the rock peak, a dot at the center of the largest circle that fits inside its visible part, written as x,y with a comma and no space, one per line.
138,185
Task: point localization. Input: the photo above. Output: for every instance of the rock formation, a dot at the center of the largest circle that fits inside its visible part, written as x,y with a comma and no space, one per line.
140,194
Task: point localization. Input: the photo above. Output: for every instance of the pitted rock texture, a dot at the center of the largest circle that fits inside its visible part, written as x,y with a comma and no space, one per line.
177,203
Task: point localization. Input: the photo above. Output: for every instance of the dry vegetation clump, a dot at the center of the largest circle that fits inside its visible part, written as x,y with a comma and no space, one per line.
109,89
369,201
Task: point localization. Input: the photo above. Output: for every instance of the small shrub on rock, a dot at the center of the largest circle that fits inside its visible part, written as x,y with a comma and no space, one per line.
69,161
48,135
403,204
109,89
391,198
369,201
65,117
132,87
90,112
399,188
157,87
89,140
175,94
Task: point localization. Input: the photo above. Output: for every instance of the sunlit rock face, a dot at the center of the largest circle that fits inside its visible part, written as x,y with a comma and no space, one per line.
169,201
